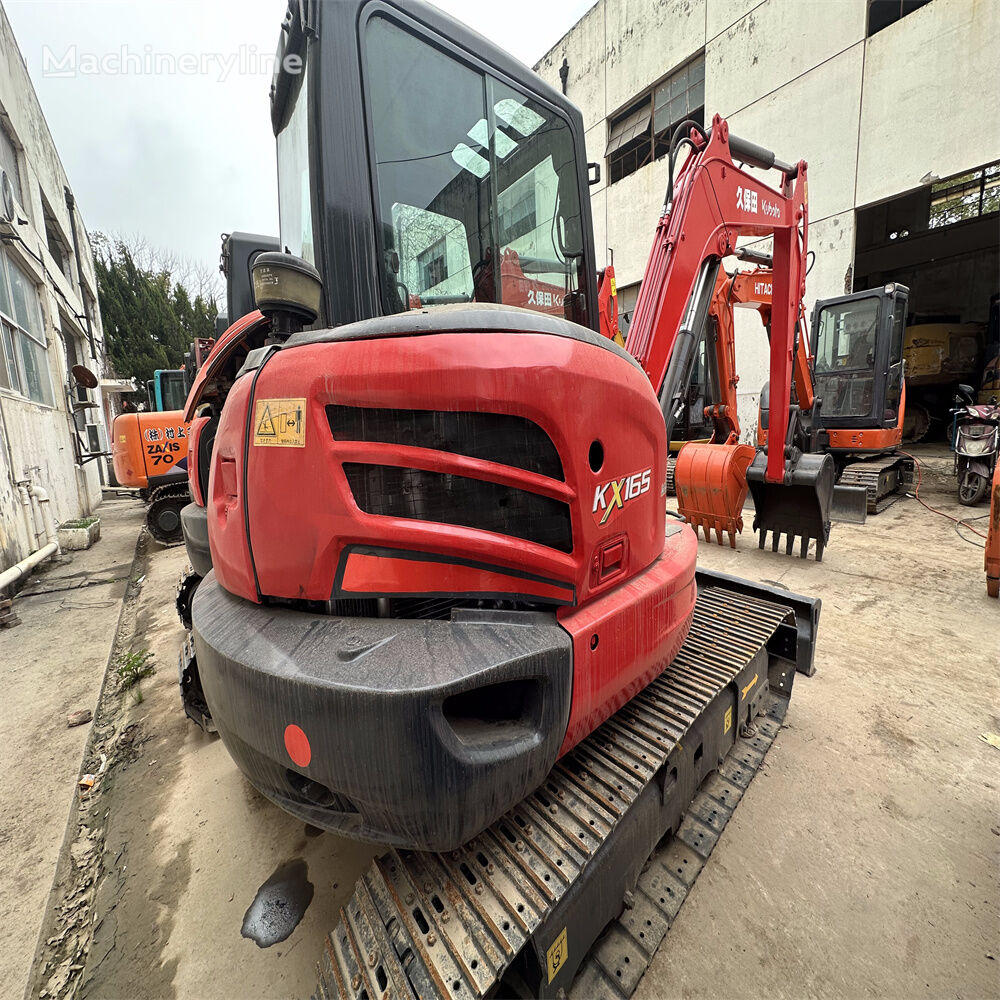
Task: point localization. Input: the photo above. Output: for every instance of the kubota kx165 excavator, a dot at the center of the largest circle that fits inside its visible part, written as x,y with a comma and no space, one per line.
442,607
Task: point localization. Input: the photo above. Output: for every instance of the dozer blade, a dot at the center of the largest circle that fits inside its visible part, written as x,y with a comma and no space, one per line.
797,508
711,485
850,504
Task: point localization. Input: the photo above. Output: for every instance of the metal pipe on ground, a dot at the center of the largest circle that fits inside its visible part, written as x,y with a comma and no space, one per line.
41,497
28,512
20,570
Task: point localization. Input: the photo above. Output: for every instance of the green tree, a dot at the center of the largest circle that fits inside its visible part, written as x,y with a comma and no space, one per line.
147,310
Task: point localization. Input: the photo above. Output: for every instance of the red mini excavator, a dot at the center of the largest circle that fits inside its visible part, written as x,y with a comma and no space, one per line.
442,607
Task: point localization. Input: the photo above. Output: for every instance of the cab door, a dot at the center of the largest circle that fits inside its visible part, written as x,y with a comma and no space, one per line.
894,355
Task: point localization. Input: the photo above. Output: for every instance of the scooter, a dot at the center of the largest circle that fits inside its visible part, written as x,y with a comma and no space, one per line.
976,436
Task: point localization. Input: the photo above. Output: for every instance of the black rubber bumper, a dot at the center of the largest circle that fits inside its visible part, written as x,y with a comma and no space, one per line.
414,733
194,524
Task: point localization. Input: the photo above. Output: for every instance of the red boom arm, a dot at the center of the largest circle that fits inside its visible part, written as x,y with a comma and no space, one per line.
714,202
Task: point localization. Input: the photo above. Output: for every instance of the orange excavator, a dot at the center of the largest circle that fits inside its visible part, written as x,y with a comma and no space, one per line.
714,388
792,484
858,338
150,448
851,386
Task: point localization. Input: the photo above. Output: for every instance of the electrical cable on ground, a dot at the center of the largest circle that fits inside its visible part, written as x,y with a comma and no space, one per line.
958,521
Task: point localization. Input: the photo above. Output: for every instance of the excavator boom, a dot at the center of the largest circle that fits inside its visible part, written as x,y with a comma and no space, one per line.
711,204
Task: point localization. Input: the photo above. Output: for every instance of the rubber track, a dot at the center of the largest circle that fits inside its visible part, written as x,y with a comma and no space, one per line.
869,472
173,491
423,925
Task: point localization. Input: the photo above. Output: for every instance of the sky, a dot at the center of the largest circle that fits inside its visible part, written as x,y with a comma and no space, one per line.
179,157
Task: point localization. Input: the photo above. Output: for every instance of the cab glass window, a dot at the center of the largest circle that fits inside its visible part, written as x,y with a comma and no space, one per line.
172,390
477,188
845,357
294,205
847,334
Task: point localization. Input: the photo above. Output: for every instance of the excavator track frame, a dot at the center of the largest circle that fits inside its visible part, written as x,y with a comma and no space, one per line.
167,502
517,910
881,477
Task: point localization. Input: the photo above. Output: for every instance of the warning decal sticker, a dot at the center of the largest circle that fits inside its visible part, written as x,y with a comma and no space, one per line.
555,957
280,423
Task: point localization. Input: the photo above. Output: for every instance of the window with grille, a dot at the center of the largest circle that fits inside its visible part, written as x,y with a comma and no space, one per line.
642,132
433,264
57,243
24,366
966,196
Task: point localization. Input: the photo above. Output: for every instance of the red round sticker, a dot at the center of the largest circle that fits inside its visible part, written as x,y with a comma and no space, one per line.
297,745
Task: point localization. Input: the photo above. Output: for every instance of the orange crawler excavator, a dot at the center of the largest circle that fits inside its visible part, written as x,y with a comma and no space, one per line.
852,395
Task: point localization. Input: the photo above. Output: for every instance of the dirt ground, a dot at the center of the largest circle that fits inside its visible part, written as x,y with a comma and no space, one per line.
862,861
52,664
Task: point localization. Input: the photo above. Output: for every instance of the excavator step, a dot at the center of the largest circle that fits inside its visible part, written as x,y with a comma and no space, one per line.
881,478
517,910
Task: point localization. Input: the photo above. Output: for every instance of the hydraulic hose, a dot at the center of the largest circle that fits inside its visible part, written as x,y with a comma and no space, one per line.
679,138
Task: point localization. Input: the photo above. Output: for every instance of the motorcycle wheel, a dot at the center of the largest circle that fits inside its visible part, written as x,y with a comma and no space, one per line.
971,488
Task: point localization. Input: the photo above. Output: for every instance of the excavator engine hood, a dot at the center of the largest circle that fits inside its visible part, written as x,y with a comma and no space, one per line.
440,560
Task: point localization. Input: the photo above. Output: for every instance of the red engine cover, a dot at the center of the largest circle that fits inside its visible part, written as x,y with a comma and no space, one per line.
308,479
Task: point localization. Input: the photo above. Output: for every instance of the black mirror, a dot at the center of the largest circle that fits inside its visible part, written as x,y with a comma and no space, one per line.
593,174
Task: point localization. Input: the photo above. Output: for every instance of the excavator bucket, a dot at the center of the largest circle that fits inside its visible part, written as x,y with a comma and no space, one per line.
798,507
711,484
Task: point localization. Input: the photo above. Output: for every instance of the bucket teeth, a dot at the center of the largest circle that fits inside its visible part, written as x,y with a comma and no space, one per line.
723,532
790,538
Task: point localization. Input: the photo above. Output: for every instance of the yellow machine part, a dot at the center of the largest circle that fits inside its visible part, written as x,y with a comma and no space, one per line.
937,353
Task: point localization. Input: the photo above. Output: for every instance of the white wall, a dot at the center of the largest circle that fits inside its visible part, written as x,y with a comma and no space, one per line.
931,97
871,116
35,440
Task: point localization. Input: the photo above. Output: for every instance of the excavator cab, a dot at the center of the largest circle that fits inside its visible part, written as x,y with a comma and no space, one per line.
857,343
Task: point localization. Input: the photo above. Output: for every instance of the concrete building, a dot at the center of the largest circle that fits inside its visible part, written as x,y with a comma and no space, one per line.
894,104
52,431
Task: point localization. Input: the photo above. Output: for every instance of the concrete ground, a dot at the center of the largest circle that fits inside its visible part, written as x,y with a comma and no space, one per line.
50,665
862,861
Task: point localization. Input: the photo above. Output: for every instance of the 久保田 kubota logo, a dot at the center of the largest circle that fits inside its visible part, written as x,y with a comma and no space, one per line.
612,496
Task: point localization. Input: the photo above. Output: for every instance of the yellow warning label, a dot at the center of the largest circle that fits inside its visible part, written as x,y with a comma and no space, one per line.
555,957
614,287
280,423
750,685
727,722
